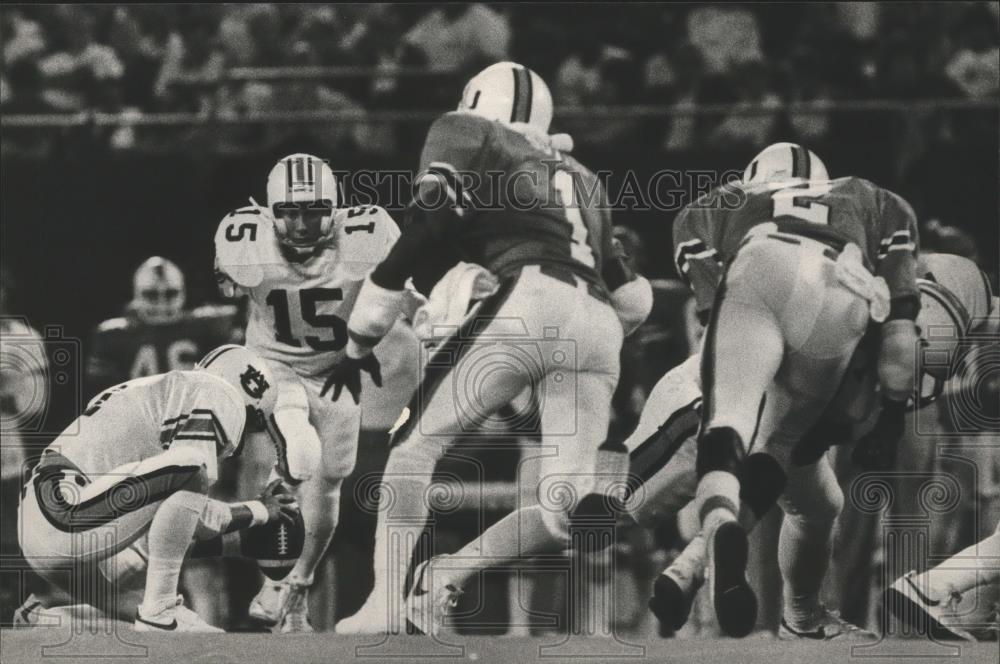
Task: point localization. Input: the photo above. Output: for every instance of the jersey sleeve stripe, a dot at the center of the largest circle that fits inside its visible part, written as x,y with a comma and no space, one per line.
521,111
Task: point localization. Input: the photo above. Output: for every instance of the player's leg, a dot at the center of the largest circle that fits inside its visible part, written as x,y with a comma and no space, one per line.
467,379
578,472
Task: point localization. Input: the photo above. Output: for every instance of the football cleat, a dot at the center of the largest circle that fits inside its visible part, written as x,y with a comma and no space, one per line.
910,603
830,626
176,618
296,618
673,596
429,603
276,599
32,614
734,600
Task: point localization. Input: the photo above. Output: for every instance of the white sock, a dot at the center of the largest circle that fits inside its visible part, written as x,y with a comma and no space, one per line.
689,567
170,534
718,498
319,501
520,534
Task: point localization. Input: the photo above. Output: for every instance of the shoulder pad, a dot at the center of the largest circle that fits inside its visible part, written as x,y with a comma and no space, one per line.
244,242
111,324
214,311
365,234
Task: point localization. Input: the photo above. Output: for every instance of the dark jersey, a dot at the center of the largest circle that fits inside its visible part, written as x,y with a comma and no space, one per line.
125,348
708,233
498,198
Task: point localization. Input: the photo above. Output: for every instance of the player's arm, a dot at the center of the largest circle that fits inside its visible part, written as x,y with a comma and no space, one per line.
237,250
440,205
897,265
631,293
697,262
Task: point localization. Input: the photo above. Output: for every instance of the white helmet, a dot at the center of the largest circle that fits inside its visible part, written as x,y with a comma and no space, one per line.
249,374
943,322
785,161
157,291
302,194
509,93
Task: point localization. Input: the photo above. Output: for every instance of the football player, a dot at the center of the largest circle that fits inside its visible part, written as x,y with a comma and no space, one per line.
123,488
809,262
301,260
561,288
156,334
954,301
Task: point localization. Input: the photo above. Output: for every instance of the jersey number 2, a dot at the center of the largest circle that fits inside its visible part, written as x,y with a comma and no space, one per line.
308,299
794,202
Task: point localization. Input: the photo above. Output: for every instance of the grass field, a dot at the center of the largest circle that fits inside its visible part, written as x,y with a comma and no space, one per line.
55,644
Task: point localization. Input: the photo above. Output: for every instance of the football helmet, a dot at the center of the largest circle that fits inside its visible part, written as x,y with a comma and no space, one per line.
158,291
249,375
510,93
781,162
943,323
302,194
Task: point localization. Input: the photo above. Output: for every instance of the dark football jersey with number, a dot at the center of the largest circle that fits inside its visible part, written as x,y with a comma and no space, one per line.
512,201
125,348
709,232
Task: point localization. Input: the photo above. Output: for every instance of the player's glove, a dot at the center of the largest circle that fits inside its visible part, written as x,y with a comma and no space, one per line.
876,451
897,361
348,374
281,506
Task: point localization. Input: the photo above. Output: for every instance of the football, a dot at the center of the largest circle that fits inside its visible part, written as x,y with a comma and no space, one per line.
275,546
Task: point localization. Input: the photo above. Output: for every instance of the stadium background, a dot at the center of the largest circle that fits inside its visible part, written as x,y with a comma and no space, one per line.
130,131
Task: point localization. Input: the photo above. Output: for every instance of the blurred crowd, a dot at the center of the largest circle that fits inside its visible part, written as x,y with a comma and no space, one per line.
133,59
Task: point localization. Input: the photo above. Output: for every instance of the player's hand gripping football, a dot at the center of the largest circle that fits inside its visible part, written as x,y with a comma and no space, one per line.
348,374
281,505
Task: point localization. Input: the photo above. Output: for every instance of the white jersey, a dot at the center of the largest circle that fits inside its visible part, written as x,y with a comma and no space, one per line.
299,310
141,418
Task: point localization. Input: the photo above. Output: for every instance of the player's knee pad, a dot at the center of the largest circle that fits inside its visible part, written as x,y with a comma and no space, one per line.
298,444
720,448
820,511
187,500
762,481
124,566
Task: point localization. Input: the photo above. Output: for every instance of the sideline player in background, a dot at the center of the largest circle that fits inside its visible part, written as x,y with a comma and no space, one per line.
124,489
156,333
561,287
808,262
301,260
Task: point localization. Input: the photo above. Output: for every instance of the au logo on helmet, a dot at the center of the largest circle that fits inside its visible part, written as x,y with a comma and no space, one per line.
253,382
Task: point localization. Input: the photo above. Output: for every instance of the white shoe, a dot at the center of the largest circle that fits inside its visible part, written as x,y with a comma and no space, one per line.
176,618
829,626
296,618
430,602
277,599
33,614
910,603
374,617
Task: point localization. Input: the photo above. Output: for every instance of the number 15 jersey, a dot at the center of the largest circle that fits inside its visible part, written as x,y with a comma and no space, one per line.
299,307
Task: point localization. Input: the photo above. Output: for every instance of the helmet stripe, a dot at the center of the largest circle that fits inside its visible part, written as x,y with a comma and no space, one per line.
214,355
521,111
800,162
